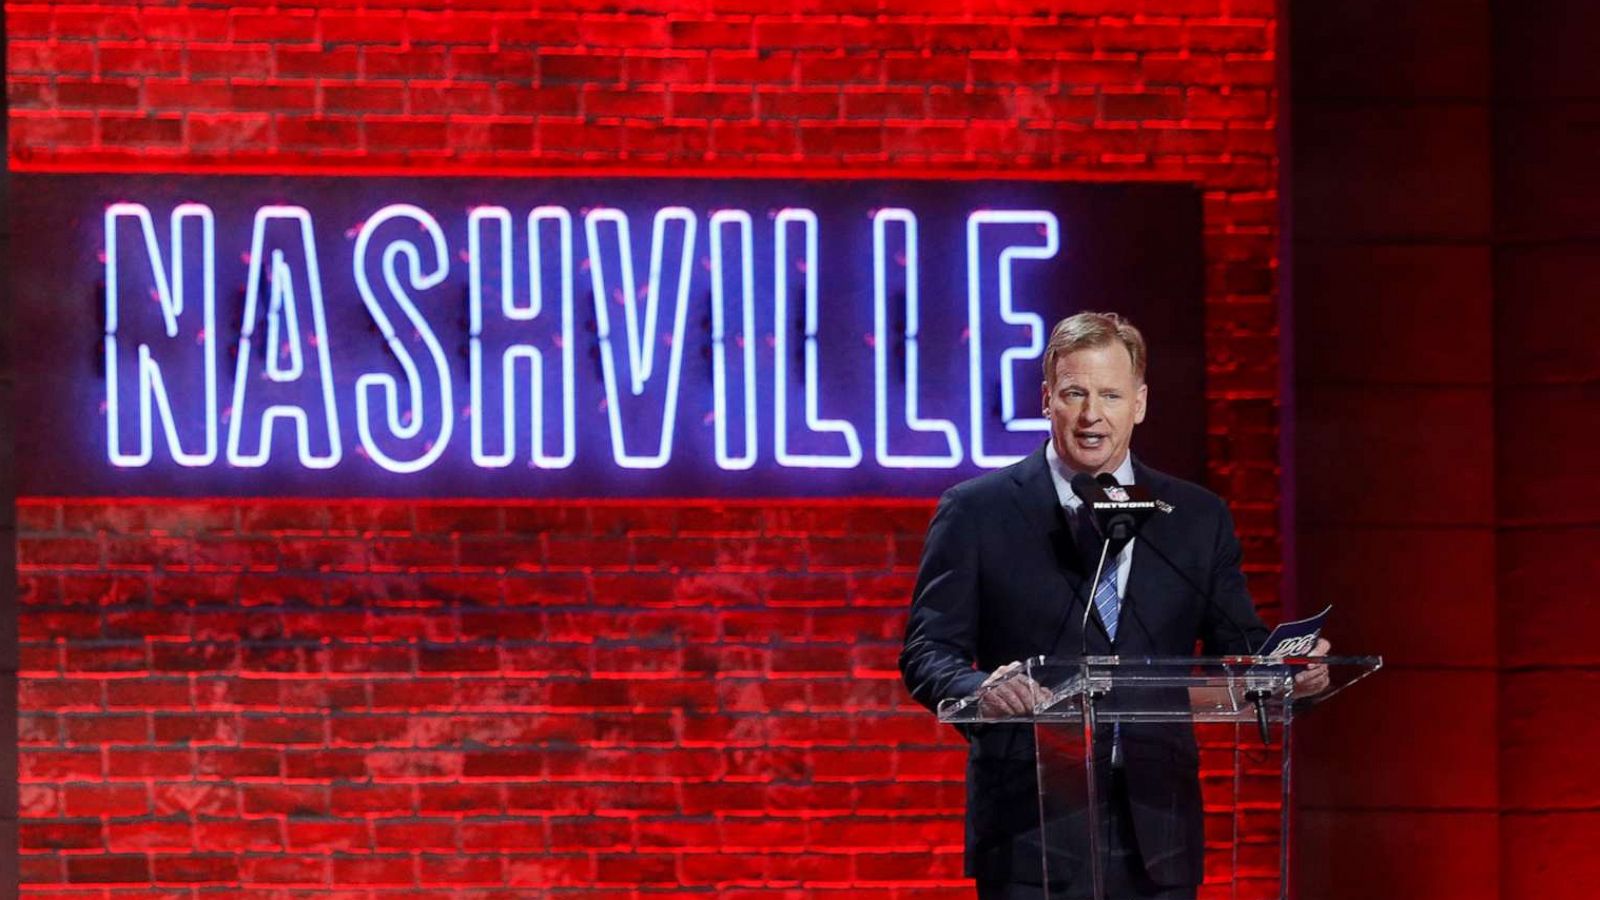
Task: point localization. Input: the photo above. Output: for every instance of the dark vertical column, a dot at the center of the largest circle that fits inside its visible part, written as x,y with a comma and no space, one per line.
1288,585
1394,450
1547,428
8,543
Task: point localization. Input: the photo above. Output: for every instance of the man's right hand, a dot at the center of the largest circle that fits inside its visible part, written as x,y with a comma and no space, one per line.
1007,692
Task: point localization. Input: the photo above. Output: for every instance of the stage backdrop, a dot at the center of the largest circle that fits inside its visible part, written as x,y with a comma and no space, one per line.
489,697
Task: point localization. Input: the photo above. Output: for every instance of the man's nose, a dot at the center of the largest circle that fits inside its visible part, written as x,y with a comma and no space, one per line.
1090,410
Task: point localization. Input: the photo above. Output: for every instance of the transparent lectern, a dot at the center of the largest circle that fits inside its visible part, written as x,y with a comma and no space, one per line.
1216,727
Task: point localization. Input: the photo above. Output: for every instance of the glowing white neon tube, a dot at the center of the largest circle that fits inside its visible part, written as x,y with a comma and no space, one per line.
1011,316
640,345
282,307
411,424
511,311
814,422
880,352
747,339
171,296
282,302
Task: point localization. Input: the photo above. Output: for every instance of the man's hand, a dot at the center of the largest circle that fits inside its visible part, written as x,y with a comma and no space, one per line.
1314,680
1007,692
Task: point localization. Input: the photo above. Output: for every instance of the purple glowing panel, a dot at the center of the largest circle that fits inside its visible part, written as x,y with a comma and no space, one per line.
185,336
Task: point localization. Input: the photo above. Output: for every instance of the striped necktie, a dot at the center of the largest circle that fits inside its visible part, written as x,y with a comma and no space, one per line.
1106,601
1109,605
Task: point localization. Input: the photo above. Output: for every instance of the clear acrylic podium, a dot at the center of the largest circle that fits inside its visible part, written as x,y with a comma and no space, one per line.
1200,719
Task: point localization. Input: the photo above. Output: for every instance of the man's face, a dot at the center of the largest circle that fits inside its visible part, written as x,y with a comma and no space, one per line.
1092,403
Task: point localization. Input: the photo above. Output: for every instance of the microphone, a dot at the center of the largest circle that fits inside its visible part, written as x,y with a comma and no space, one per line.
1118,510
1087,488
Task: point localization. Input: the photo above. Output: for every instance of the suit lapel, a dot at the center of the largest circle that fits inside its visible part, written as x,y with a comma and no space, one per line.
1036,496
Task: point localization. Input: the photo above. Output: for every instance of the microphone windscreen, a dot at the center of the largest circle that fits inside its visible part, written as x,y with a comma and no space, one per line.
1085,487
1108,480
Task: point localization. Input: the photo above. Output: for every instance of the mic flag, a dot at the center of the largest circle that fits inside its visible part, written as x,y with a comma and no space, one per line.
1119,510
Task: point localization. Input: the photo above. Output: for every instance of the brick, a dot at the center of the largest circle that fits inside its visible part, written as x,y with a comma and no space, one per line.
595,68
709,34
108,870
251,836
415,834
140,59
279,799
1143,105
365,27
713,105
50,58
128,837
455,870
424,62
549,870
102,23
323,836
448,28
315,62
128,763
230,61
29,23
490,135
551,30
285,870
37,801
877,105
275,26
226,132
185,95
59,553
274,97
100,729
183,25
373,870
363,98
761,66
194,798
60,835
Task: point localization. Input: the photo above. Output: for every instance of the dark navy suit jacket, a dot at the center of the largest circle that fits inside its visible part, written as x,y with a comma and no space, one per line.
1003,578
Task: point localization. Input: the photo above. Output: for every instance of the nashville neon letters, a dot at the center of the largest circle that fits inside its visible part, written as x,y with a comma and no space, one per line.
163,360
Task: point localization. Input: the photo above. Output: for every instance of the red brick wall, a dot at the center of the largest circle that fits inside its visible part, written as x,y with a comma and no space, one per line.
382,699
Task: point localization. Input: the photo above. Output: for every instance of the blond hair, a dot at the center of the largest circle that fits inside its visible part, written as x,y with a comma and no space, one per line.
1089,330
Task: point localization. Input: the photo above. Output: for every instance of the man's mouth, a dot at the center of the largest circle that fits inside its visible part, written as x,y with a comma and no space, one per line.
1090,438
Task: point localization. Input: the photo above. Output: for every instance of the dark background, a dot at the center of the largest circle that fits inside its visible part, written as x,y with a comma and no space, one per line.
1446,207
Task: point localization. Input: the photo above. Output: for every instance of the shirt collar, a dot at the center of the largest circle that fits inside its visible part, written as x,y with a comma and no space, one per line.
1061,474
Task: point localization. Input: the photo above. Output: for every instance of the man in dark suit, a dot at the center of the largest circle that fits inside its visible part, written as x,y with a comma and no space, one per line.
1005,576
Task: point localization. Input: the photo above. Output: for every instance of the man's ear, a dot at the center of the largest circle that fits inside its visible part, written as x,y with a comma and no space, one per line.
1139,403
1044,397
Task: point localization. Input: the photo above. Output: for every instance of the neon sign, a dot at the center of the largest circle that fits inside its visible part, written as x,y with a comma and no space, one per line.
578,336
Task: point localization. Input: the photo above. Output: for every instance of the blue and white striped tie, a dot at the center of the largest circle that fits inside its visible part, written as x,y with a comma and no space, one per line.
1108,604
1106,601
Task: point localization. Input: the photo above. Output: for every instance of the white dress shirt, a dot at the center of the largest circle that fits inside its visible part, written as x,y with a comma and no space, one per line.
1062,474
